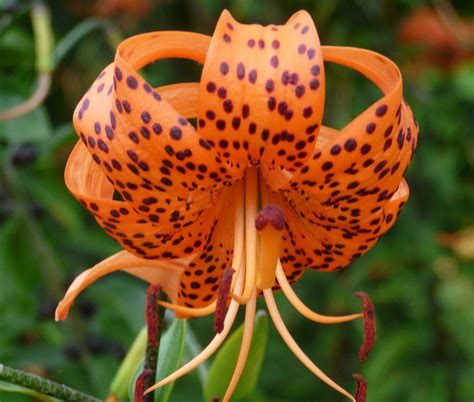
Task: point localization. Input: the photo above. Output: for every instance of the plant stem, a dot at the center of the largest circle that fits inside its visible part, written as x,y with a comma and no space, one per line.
43,385
44,44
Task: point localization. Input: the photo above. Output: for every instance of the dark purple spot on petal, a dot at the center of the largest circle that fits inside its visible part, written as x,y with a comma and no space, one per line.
211,87
336,149
224,68
299,91
253,76
175,133
132,82
274,61
350,145
222,93
314,84
381,110
270,85
315,70
370,128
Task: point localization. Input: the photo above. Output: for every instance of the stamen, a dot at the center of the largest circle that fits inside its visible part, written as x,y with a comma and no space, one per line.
296,302
210,349
222,297
153,324
369,325
215,399
190,311
361,390
247,334
294,347
251,191
141,384
151,314
270,222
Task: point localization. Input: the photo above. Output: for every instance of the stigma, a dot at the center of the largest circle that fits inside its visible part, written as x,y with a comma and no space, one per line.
270,222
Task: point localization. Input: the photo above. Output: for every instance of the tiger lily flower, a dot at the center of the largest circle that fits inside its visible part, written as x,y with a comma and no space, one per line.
260,186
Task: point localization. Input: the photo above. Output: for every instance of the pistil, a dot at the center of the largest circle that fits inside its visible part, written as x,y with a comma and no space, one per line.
270,222
251,200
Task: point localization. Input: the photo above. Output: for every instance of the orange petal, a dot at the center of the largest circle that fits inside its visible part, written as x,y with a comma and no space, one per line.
146,148
200,280
331,247
167,236
357,172
262,91
165,273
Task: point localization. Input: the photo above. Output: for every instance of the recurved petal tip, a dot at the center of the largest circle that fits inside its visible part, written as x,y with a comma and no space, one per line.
61,312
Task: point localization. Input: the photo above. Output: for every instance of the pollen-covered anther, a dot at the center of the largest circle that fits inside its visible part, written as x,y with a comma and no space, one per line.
222,298
269,222
361,389
151,314
141,384
369,325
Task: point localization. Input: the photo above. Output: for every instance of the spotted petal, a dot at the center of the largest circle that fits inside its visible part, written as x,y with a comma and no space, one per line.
262,92
352,189
150,153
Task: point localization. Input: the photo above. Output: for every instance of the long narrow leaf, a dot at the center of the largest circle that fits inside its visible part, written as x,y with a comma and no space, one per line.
224,363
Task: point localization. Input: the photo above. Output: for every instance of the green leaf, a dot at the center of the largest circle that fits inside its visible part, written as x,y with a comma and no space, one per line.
169,359
74,36
7,387
224,363
134,358
34,126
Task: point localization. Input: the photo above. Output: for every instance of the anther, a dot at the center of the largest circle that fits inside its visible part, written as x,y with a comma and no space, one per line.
369,325
141,384
222,297
152,319
215,399
269,222
361,389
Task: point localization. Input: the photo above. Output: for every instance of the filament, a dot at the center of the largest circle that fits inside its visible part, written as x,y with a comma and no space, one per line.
303,309
294,347
247,334
209,350
251,192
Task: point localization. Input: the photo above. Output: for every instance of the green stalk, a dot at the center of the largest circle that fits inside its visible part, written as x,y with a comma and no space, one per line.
44,39
43,385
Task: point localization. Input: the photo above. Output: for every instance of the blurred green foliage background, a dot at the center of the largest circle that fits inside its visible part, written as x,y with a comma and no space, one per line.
420,275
